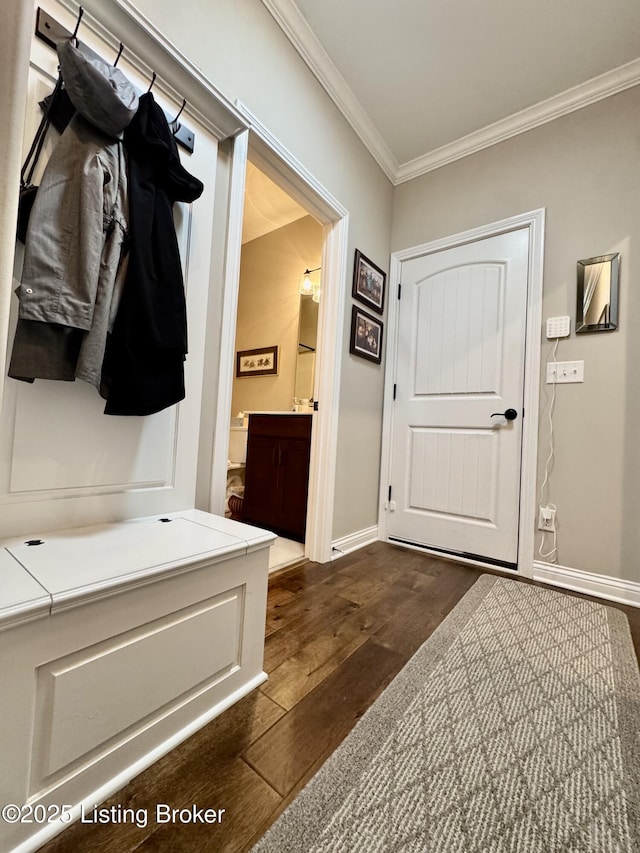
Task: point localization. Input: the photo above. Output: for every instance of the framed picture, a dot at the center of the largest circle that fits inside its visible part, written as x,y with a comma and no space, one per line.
368,283
257,362
366,335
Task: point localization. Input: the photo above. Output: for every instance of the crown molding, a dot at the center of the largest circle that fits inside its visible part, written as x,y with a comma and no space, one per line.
302,37
295,27
596,89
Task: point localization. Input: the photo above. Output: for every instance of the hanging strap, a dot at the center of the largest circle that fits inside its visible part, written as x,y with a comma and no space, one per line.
26,173
33,155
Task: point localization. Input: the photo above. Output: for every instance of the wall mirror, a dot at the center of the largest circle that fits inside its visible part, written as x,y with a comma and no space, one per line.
598,286
307,342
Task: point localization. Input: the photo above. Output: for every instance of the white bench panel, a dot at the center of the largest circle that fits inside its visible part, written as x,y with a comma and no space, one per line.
86,699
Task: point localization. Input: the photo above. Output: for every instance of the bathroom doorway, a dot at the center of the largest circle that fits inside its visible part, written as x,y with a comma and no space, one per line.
276,345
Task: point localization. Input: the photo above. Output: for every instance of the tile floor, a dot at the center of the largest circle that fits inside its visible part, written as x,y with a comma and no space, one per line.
284,552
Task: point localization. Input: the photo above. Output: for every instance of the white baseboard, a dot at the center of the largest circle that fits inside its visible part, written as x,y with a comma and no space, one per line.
602,586
353,541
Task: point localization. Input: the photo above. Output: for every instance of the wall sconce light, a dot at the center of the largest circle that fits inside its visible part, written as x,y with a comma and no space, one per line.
308,287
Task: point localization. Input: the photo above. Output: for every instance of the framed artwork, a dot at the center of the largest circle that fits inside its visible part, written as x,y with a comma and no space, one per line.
257,362
366,335
368,283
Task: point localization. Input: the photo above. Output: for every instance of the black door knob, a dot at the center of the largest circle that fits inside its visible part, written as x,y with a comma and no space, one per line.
509,414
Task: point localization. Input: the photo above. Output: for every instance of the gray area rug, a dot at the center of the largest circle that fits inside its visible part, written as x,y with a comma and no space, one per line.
513,729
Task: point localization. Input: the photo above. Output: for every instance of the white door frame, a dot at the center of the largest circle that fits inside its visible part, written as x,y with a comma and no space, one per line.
534,221
283,168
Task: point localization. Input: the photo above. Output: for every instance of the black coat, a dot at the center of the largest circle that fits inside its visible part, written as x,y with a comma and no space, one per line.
143,370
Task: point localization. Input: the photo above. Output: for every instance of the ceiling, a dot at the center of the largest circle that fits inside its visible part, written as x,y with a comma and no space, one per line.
266,206
424,82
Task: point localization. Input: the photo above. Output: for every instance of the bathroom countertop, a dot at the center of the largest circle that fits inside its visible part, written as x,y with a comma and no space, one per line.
308,411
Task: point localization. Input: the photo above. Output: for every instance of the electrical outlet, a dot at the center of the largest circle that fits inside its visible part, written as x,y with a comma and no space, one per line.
546,518
565,371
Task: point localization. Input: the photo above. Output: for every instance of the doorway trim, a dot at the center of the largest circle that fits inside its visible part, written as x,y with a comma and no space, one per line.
284,169
534,222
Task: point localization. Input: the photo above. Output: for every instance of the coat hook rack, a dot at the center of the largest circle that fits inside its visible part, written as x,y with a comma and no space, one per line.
78,19
51,31
117,59
175,127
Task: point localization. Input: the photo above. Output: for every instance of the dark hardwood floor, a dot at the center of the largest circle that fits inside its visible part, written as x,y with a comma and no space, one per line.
336,634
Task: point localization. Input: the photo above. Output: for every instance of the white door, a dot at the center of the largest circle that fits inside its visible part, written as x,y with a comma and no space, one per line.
455,458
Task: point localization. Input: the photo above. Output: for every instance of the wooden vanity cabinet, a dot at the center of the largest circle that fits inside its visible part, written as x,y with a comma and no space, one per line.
277,473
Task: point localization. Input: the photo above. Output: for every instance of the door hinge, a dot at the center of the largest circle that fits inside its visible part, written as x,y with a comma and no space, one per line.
389,497
399,289
315,405
395,388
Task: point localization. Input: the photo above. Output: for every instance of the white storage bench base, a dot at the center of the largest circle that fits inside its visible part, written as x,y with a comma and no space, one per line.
116,643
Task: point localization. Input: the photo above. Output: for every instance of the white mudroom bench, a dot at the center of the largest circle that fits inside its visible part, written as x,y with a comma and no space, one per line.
116,643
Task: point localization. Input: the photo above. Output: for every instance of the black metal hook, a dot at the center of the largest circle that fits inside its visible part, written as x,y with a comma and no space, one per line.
78,19
153,80
117,59
175,127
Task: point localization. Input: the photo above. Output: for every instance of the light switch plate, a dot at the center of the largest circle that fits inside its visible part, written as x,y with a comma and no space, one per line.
564,372
558,327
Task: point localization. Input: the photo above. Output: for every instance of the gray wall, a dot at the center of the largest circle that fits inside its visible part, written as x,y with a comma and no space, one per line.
585,170
238,45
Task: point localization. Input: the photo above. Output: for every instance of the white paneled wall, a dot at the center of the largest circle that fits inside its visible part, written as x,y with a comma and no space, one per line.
63,463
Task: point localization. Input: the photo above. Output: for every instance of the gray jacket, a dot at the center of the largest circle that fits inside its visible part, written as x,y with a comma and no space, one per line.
74,256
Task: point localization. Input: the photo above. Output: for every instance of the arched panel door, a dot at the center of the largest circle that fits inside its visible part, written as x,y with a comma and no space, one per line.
458,413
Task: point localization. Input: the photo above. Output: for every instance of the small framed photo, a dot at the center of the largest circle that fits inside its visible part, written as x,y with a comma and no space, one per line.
368,283
366,335
257,362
